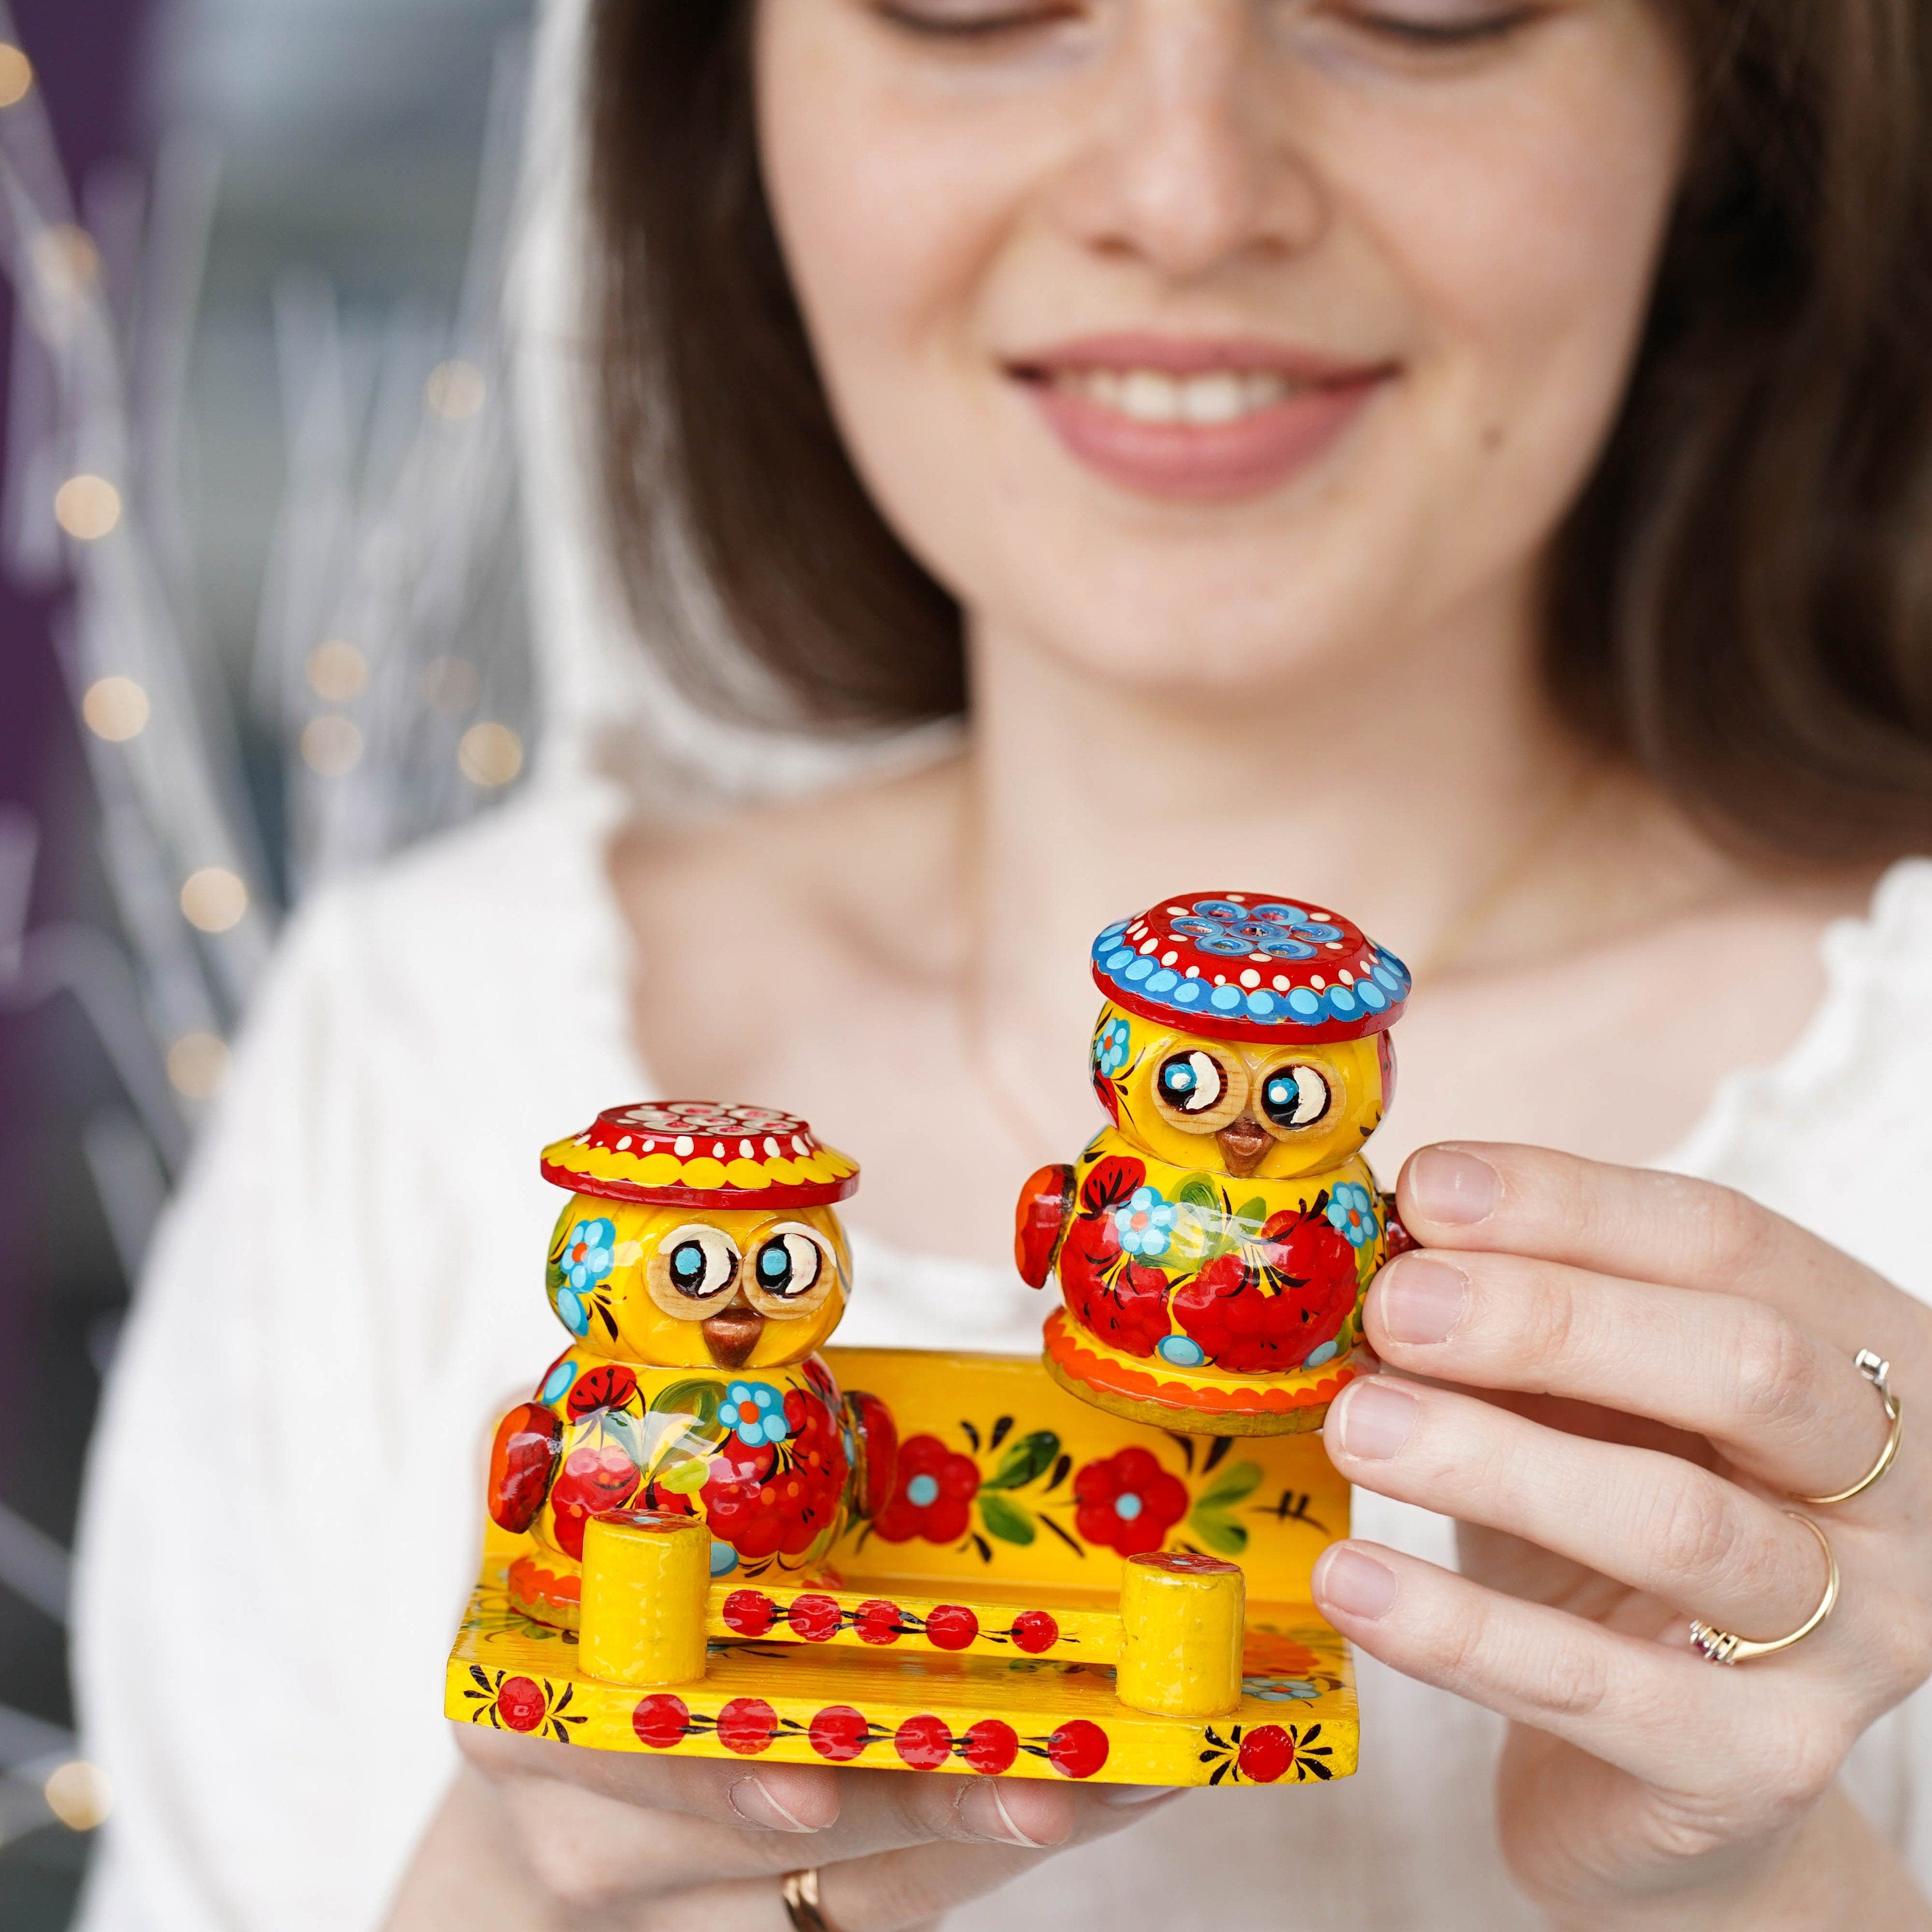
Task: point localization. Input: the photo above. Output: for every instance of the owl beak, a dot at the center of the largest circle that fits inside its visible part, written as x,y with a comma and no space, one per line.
729,1336
1243,1142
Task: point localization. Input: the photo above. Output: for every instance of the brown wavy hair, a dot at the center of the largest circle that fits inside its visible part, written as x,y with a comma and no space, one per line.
1739,603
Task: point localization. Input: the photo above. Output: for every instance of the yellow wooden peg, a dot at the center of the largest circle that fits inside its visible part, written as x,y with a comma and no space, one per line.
1181,1623
646,1577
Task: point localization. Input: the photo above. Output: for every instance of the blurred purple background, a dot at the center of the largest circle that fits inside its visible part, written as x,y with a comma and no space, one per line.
58,1276
347,135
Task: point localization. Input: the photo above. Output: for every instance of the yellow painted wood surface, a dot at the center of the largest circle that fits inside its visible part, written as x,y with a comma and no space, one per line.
1271,1504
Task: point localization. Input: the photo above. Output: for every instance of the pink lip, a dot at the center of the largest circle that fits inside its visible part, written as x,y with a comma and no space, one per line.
1204,462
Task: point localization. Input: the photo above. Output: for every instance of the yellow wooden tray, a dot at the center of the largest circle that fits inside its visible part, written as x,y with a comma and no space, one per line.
992,1648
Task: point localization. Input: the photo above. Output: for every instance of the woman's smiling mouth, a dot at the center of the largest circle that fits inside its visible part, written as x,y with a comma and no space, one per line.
1194,418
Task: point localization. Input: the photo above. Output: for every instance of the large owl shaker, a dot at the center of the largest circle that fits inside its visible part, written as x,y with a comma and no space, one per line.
1214,1240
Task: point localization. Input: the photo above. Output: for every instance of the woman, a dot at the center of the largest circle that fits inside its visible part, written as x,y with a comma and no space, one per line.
1462,460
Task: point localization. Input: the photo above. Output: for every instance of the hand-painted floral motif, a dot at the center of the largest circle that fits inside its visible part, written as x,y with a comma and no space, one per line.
1352,1211
515,1702
1121,1298
590,1251
756,1412
611,1385
1111,1046
1144,1224
932,1499
1281,1690
1269,1307
1128,1502
777,1499
1266,1753
598,1477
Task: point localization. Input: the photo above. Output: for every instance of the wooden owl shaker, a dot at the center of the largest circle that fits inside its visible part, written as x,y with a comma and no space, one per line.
1214,1240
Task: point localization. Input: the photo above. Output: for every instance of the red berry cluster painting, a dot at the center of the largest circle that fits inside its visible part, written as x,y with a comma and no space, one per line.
842,1734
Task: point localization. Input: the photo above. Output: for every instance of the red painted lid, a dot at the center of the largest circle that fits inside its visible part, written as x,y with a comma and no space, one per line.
701,1153
1251,966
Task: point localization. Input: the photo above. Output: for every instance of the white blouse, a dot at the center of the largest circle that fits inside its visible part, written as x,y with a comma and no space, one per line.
283,1500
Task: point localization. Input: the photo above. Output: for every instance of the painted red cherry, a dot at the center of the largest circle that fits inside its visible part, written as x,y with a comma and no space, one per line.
745,1725
1077,1749
521,1704
951,1626
992,1746
1034,1631
923,1743
749,1612
879,1621
838,1732
661,1721
814,1619
1267,1751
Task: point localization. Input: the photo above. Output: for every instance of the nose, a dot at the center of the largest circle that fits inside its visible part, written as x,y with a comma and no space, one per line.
1192,165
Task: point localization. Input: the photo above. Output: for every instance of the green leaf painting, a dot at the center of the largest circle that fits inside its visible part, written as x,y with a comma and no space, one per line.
1005,1519
693,1397
1029,1458
1225,1538
1211,1518
1234,1484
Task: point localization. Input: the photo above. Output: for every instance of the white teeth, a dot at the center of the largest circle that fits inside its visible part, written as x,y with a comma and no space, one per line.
1152,396
1148,396
1218,398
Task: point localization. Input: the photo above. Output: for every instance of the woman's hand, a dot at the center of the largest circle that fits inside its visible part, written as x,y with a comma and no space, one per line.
541,1836
1664,1365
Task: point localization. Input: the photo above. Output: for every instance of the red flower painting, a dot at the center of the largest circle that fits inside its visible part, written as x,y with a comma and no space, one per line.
932,1498
1128,1503
1269,1307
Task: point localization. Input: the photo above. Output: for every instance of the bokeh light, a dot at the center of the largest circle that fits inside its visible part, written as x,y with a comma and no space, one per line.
331,745
79,1795
455,390
197,1065
337,670
16,75
66,260
213,899
115,709
87,507
490,753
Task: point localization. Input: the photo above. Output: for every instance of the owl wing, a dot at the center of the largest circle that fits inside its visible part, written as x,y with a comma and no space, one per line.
523,1464
1041,1220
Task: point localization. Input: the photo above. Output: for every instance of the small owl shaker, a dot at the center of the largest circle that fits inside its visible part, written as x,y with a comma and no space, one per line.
1214,1240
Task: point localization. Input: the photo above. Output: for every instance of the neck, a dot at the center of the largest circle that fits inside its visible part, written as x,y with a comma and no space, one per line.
1384,786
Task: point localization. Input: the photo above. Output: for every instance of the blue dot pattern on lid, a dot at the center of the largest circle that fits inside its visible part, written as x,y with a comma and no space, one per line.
1250,965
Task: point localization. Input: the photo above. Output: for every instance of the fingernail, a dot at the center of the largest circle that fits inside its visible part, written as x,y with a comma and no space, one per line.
1355,1584
1377,1419
1134,1794
1453,1187
1421,1299
981,1810
757,1807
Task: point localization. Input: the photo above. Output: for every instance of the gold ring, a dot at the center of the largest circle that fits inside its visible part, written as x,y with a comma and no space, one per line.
1721,1647
800,1891
1877,1371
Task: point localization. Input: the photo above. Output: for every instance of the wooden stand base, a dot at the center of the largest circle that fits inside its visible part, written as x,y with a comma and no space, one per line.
1020,1637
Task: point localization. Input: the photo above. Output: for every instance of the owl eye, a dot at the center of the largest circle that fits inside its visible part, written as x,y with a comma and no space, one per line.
1199,1092
693,1272
1192,1083
1293,1096
791,1274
